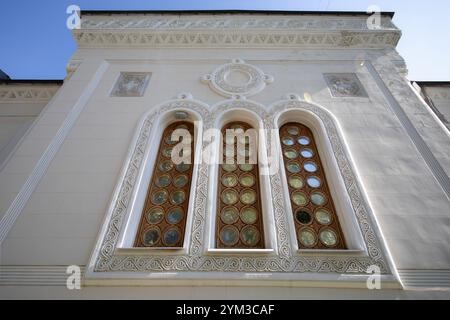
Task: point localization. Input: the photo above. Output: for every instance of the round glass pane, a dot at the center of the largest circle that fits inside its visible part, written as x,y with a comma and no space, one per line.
230,139
229,197
307,153
151,237
293,130
313,182
290,154
318,198
229,152
166,166
229,167
229,215
296,182
169,140
244,139
155,215
246,167
293,167
302,216
177,197
310,166
244,152
323,216
299,198
237,127
307,237
247,180
167,152
183,167
171,236
229,180
250,236
287,141
229,235
248,196
249,215
180,181
160,197
183,126
163,181
304,141
328,237
186,152
175,215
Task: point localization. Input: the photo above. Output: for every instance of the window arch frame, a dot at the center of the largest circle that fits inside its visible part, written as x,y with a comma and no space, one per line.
344,210
133,216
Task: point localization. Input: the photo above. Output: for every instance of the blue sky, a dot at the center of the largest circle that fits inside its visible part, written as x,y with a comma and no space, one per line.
37,45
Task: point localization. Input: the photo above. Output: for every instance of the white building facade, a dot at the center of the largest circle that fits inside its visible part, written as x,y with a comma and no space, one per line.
369,217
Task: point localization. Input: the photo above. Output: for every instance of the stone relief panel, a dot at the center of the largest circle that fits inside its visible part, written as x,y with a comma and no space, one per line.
345,85
131,84
237,79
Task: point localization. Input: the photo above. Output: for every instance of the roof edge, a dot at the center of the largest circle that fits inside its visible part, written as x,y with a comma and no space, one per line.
432,83
31,81
285,12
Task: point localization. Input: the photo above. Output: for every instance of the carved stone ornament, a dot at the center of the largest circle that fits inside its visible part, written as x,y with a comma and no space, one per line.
107,262
131,84
237,79
215,31
345,85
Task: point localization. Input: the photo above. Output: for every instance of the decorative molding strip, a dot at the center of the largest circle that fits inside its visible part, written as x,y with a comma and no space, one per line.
396,90
229,22
425,278
438,93
259,39
34,275
27,93
19,202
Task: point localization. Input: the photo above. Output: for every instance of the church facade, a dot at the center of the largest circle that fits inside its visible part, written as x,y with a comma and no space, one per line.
226,155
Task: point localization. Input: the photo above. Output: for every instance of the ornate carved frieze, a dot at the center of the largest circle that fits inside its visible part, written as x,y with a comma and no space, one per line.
233,31
131,84
234,22
236,79
27,93
344,85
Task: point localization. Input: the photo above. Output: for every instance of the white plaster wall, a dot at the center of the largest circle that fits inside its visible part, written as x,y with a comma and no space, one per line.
60,223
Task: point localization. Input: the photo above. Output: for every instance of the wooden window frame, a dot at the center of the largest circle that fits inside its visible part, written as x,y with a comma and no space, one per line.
310,224
239,206
164,224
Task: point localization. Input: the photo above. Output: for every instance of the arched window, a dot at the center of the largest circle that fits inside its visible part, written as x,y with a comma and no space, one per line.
316,222
163,219
239,219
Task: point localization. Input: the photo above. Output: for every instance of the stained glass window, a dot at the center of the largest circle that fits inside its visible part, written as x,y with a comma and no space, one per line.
239,219
163,219
316,222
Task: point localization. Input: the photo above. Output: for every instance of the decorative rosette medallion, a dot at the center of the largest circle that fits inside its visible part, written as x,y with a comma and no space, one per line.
237,79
